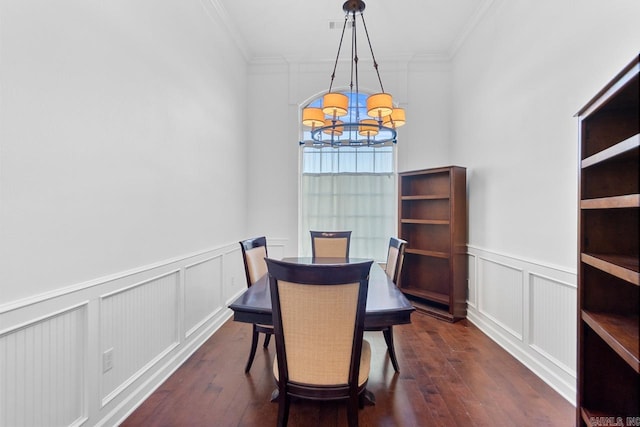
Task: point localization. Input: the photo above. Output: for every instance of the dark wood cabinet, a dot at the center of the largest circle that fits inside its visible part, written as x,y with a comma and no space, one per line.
608,279
432,215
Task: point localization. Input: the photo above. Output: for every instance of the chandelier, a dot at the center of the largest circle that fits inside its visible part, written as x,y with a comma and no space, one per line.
352,118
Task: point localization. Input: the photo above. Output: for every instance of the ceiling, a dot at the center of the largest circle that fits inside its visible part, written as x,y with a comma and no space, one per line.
299,29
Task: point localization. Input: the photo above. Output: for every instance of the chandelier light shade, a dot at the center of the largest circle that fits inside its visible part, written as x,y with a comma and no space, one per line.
313,117
368,127
395,119
333,127
379,105
335,104
350,118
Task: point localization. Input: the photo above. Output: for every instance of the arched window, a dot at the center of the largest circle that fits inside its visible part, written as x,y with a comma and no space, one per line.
348,188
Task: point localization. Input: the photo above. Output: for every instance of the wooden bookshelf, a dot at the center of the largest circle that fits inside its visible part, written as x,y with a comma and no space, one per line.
608,279
432,219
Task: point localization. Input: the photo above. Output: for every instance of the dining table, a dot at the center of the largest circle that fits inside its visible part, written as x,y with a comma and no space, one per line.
386,304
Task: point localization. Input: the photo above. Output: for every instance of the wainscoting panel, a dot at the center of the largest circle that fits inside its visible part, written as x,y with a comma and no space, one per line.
137,326
89,353
472,292
43,362
528,308
553,306
235,281
500,295
202,292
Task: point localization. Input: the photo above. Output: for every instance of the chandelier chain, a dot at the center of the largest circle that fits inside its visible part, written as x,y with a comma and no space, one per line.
354,54
373,57
335,65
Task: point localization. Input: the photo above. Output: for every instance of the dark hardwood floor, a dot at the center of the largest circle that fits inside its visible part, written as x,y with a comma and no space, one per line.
450,375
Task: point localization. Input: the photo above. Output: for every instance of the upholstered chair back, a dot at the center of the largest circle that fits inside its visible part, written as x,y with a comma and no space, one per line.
254,251
320,342
395,258
331,244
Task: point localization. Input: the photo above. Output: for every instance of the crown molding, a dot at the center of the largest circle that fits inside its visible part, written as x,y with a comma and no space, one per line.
469,26
435,56
219,15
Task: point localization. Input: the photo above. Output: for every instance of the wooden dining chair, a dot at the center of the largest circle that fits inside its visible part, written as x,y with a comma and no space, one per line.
395,258
318,317
393,268
254,252
332,244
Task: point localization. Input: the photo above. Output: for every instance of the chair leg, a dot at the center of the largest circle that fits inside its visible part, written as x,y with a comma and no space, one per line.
388,337
267,338
252,353
366,398
283,408
353,405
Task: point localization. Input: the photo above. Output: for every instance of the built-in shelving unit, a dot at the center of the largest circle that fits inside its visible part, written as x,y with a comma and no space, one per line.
432,214
608,273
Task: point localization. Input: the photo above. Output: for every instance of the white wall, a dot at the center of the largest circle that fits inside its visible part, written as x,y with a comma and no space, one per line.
518,80
425,141
123,193
122,124
272,162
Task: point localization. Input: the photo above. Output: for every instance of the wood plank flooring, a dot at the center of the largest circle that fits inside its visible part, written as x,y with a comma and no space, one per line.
450,375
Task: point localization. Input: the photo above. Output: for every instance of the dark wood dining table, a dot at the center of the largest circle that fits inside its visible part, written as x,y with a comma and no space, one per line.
386,305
